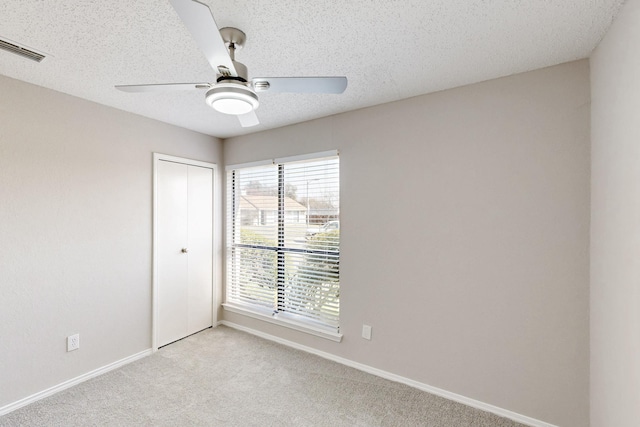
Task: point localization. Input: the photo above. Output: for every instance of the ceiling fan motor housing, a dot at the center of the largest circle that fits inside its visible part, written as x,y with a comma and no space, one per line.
242,74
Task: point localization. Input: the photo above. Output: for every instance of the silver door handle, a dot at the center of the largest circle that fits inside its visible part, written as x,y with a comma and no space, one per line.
185,250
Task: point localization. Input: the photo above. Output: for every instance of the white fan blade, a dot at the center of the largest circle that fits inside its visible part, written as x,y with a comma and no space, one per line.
301,84
164,87
199,21
249,119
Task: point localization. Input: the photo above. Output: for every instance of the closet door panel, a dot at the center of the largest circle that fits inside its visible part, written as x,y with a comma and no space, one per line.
172,221
200,238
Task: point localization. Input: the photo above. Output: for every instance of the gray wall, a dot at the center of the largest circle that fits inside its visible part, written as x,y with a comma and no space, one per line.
465,220
75,232
465,238
615,228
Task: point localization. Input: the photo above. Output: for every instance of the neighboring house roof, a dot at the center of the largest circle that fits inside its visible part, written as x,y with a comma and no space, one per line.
269,203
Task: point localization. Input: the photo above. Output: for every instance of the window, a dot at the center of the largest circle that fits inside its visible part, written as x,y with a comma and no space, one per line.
283,242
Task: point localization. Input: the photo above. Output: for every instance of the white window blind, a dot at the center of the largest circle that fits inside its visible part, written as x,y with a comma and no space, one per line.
283,225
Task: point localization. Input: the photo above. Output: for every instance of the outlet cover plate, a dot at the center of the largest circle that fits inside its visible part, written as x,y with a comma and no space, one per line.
366,332
73,342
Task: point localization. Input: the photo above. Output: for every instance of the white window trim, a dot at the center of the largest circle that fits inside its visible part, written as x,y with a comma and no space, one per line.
248,165
287,320
282,319
300,158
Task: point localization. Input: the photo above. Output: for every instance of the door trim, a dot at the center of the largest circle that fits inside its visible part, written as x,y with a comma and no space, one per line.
217,250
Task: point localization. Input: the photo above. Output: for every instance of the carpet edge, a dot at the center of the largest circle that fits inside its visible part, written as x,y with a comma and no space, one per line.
514,416
4,410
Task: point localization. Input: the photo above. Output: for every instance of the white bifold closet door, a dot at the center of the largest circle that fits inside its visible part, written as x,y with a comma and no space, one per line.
184,250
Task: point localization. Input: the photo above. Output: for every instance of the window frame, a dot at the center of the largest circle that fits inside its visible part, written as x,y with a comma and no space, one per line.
273,315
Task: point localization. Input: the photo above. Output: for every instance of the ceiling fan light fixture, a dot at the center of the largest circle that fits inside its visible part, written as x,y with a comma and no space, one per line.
232,98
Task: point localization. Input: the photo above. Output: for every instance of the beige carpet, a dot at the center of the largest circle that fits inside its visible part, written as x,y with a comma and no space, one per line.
223,377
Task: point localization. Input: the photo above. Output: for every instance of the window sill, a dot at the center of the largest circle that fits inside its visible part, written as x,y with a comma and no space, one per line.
277,319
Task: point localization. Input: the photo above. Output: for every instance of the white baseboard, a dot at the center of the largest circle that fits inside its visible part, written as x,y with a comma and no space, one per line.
523,419
70,383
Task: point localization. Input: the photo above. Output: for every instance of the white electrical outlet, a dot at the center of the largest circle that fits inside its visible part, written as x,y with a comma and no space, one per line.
73,342
366,332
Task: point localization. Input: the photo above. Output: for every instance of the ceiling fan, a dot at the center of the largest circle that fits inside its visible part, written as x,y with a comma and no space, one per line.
233,92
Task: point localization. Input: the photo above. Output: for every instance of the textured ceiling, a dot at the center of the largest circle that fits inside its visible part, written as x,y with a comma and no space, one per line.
388,49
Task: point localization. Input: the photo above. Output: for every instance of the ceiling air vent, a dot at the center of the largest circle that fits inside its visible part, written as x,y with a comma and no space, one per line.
19,50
